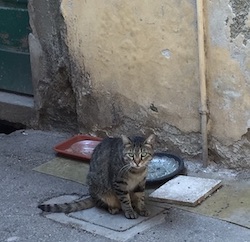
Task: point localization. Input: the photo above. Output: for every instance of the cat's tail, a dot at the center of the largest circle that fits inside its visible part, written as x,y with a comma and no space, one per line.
68,207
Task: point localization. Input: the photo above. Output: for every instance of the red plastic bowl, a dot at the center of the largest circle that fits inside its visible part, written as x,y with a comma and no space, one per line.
79,146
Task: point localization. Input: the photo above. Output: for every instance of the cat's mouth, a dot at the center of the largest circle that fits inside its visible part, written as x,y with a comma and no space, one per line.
138,166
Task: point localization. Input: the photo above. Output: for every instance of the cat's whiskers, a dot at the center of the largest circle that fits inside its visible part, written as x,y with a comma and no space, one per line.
124,169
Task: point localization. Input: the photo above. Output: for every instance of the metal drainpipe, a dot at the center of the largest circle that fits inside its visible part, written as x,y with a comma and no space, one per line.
202,75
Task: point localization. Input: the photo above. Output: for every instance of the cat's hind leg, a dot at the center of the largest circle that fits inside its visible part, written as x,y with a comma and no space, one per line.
109,202
112,202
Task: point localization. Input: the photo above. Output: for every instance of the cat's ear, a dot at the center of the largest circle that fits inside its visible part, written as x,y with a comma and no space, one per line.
150,140
125,140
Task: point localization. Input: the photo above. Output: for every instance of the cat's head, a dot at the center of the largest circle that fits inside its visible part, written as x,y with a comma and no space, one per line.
138,151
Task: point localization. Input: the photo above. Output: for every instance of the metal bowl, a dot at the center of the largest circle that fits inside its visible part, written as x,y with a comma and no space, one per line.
164,167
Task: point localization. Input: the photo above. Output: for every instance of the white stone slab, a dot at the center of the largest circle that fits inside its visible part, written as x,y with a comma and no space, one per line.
185,190
99,221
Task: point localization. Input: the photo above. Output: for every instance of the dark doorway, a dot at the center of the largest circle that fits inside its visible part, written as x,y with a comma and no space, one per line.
15,71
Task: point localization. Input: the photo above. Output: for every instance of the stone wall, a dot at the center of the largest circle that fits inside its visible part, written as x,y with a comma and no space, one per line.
112,67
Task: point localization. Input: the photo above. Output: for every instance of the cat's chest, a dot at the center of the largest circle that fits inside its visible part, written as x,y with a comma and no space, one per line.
134,179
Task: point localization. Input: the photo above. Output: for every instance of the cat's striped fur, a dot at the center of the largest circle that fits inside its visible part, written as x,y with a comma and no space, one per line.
116,178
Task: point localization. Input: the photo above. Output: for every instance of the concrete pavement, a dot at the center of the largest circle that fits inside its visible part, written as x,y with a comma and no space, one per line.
22,189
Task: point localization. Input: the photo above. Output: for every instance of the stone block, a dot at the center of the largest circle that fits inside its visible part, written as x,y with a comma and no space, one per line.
185,190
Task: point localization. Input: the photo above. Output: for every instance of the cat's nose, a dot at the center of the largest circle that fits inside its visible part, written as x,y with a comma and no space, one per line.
137,162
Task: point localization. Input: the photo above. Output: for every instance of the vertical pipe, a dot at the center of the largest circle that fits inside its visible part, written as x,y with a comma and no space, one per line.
202,76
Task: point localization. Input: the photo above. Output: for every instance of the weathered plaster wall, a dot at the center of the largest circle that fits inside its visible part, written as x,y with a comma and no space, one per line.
112,67
229,79
142,63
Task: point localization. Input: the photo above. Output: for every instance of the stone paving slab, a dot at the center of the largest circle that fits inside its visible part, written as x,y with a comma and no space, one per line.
100,222
69,169
185,190
116,222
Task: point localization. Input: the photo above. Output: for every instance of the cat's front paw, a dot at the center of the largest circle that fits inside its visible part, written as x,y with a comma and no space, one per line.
144,212
131,214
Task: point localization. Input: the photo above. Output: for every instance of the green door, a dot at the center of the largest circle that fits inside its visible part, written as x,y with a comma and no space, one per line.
15,72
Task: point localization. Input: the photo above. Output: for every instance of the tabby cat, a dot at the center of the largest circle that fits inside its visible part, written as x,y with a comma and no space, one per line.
116,178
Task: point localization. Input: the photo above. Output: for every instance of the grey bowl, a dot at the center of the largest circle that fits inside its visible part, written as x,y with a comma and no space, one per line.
164,167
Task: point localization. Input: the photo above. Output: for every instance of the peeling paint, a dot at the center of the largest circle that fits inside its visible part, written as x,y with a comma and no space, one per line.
232,94
5,38
239,26
166,53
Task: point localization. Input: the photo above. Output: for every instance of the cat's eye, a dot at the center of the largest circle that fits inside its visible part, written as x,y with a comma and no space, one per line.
131,155
144,154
